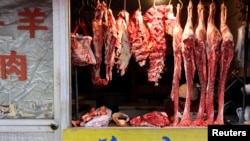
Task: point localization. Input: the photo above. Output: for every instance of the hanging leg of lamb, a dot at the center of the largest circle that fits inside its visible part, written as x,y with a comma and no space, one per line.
177,35
188,40
227,53
138,38
201,62
155,18
213,52
123,53
97,26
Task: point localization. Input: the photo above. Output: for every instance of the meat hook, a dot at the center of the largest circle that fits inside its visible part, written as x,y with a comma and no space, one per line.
181,4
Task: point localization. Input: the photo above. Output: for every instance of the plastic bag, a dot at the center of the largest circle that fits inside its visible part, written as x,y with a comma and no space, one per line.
82,54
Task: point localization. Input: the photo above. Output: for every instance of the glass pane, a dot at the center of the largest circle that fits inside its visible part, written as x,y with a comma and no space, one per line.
26,59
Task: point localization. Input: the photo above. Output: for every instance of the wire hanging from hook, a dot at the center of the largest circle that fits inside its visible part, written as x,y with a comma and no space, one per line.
110,3
139,2
169,2
124,6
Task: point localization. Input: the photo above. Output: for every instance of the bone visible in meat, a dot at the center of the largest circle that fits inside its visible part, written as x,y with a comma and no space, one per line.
138,38
123,53
227,53
188,41
201,62
155,18
213,52
110,42
97,27
177,35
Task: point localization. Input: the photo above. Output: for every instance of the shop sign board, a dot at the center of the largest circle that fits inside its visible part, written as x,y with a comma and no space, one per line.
136,134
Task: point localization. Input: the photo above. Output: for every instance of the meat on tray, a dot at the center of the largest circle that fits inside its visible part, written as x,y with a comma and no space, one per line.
155,118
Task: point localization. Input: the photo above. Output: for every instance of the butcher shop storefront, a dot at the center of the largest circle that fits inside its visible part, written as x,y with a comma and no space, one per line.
121,70
158,69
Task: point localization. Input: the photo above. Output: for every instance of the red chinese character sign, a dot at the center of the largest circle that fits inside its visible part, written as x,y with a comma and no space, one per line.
13,63
31,18
26,59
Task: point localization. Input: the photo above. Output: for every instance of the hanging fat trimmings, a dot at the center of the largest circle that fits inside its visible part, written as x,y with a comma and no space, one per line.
82,54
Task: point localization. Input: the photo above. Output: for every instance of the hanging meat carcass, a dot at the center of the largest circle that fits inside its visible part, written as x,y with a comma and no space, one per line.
227,53
214,39
201,62
138,38
177,35
110,42
97,25
155,18
188,41
122,53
